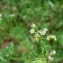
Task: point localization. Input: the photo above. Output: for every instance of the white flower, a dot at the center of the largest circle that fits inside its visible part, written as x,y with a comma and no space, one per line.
40,32
45,29
50,58
54,37
43,32
53,52
33,25
0,15
32,31
51,37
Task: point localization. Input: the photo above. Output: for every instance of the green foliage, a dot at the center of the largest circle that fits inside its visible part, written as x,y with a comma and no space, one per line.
6,53
16,17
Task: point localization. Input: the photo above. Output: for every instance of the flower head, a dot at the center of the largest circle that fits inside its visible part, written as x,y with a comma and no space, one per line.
45,29
40,32
33,25
32,31
51,37
53,52
43,32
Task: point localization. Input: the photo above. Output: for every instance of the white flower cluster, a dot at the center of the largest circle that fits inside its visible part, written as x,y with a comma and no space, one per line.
33,25
32,29
51,37
38,33
52,53
43,32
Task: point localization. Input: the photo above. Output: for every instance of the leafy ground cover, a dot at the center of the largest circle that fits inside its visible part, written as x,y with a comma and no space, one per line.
17,44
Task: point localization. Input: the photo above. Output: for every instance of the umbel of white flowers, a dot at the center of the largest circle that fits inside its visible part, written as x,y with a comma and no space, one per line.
39,33
51,56
51,37
43,32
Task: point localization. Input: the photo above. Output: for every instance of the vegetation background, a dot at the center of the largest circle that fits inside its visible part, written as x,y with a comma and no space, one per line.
16,16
